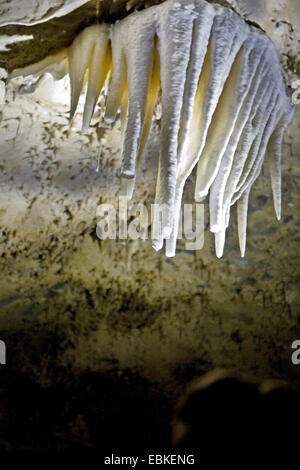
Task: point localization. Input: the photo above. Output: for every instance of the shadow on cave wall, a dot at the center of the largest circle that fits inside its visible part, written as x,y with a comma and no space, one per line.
121,413
94,411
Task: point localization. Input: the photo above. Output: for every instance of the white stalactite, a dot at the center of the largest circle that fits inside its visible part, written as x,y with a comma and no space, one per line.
224,103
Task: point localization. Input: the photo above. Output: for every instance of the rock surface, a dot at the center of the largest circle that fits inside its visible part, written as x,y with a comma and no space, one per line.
111,304
35,11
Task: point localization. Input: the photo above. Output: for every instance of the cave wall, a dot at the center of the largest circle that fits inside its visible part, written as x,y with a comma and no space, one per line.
69,301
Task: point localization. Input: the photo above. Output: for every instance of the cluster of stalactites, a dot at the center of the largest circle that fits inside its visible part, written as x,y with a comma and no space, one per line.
223,99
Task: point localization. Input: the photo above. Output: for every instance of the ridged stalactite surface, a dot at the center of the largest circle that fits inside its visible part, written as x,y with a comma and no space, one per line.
223,100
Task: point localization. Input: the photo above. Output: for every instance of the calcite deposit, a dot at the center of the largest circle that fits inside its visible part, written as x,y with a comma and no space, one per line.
224,104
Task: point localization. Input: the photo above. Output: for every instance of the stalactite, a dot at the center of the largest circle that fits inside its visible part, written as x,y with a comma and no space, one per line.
223,98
